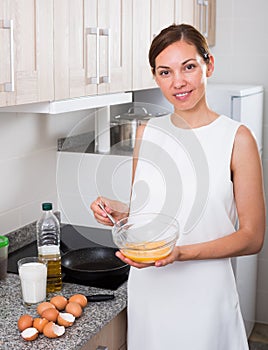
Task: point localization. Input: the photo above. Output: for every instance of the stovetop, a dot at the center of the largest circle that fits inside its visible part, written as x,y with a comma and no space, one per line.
72,237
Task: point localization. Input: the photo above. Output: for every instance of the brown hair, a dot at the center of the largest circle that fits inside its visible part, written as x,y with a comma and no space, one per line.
175,33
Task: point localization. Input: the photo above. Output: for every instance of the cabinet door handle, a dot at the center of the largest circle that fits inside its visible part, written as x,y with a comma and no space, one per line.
102,348
10,86
200,4
206,18
107,78
96,79
203,4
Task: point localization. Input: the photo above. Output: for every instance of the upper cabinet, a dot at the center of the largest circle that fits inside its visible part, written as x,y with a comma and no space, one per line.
55,50
205,19
201,14
92,47
26,54
149,17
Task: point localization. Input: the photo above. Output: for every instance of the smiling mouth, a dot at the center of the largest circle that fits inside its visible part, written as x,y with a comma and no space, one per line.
182,94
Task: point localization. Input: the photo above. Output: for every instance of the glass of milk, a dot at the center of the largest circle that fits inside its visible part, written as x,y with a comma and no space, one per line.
33,278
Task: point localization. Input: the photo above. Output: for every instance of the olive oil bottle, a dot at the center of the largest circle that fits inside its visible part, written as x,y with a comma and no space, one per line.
48,246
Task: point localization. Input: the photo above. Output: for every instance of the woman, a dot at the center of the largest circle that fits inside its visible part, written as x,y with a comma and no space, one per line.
188,300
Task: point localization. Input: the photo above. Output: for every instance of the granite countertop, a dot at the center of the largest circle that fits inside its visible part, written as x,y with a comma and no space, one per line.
93,319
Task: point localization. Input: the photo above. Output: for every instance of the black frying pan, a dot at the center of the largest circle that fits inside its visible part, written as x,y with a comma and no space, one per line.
93,264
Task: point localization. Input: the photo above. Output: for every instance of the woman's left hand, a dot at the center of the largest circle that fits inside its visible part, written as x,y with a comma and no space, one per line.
173,256
131,262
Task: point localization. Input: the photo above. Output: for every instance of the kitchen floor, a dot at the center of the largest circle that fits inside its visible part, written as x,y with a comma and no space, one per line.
258,339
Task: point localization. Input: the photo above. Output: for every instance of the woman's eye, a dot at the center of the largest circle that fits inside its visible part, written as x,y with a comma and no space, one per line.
189,66
164,72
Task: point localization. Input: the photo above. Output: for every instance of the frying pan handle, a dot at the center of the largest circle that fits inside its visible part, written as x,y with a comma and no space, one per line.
99,297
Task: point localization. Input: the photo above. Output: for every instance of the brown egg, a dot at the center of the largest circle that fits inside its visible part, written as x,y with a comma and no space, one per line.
39,324
52,330
43,306
50,314
74,309
30,333
79,298
59,301
65,319
25,321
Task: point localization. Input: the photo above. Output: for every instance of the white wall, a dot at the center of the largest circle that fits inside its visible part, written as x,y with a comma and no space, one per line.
241,56
28,144
81,178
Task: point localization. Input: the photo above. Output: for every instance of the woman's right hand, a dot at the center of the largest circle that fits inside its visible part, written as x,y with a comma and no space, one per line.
117,209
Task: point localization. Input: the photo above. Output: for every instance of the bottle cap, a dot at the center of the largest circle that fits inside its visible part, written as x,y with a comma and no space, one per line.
47,206
3,241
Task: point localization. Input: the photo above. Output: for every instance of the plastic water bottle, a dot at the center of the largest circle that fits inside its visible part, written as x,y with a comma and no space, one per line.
48,245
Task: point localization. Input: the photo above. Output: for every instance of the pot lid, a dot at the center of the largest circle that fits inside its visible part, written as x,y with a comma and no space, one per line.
135,113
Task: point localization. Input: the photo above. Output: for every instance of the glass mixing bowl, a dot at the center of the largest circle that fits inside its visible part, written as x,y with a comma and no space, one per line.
146,237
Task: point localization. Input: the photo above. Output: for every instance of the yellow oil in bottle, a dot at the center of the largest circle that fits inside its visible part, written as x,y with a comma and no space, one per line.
54,278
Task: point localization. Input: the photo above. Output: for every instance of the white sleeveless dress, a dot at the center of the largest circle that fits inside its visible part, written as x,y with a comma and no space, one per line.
190,305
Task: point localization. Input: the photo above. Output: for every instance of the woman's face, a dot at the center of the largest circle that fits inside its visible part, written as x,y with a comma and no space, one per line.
181,74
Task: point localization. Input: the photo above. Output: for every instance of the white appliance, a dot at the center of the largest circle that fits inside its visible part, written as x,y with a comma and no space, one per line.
243,103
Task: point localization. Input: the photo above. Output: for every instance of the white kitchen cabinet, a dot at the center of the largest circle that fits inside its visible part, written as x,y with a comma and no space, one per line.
205,19
113,336
185,11
92,47
149,17
26,54
57,50
142,76
201,14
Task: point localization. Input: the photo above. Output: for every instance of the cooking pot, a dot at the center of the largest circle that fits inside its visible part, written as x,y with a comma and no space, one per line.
123,127
93,264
